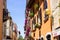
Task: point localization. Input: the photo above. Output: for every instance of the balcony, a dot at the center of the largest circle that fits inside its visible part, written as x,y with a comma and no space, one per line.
5,14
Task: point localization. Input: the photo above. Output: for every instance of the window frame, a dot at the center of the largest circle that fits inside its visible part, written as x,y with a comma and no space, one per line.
33,23
46,17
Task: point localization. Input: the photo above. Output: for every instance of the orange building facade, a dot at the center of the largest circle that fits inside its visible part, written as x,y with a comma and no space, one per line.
39,16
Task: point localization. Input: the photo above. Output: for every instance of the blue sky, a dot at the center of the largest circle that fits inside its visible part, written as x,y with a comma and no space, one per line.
17,12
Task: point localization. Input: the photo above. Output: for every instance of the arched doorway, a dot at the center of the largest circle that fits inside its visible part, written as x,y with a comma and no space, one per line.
48,37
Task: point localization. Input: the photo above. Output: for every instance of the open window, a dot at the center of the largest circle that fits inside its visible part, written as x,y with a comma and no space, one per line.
39,17
33,23
36,6
5,14
45,4
59,21
34,34
46,17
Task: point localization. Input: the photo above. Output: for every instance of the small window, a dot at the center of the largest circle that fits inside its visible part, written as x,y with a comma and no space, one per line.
52,20
5,14
33,23
36,6
45,4
48,37
59,21
46,17
39,20
34,34
42,38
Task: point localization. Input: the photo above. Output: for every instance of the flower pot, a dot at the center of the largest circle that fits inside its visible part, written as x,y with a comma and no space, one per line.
47,11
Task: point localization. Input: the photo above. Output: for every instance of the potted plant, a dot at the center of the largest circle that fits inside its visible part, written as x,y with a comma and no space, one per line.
36,25
31,14
36,6
47,11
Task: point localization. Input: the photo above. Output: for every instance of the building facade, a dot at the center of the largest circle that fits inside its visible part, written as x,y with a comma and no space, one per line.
7,27
39,18
55,7
2,7
15,31
1,18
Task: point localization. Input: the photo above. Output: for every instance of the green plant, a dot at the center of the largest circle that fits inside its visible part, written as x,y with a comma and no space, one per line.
36,25
31,14
35,6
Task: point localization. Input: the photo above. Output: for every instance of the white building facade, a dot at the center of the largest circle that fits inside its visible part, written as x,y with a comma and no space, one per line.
56,19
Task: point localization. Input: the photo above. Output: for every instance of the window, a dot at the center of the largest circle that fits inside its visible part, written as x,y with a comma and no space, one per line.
46,17
45,4
41,38
33,23
5,14
48,37
34,34
39,20
36,6
52,20
59,21
39,33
